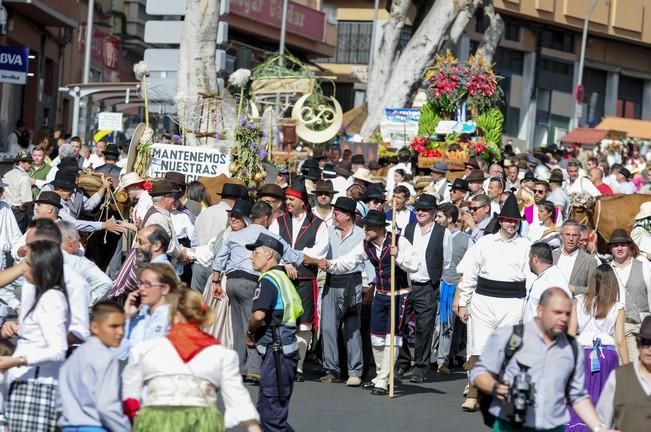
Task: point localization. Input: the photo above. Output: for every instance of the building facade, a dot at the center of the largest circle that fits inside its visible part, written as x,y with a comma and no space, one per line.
538,57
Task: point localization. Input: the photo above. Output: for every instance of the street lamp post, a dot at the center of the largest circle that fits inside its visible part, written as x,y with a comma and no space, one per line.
584,40
89,40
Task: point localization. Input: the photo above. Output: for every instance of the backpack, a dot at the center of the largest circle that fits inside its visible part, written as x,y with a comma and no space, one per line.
512,346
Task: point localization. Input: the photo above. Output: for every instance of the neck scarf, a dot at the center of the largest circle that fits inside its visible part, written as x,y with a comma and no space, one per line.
189,340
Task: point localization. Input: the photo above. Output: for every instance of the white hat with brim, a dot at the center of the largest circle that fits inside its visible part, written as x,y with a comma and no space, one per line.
645,211
365,175
130,179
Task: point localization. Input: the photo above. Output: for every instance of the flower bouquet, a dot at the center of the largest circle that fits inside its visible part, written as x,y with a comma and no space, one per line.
447,84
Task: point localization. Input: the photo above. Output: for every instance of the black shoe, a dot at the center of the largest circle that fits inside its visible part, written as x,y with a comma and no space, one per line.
400,372
379,391
299,377
368,385
417,378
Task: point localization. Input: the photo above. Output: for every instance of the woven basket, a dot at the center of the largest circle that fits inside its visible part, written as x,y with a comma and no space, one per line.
453,164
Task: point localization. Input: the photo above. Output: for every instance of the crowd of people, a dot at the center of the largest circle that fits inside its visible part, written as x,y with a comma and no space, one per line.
269,286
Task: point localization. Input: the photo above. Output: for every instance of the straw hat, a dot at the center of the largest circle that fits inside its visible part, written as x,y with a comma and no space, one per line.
130,179
645,211
365,175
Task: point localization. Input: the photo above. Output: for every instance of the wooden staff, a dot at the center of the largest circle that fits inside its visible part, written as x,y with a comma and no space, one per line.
393,303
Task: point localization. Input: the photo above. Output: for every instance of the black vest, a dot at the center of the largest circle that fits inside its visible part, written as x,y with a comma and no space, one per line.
306,238
382,266
434,251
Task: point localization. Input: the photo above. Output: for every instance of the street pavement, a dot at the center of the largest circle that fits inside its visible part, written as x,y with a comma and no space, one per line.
432,406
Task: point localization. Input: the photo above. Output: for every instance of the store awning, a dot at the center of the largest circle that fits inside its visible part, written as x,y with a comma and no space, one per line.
584,136
633,128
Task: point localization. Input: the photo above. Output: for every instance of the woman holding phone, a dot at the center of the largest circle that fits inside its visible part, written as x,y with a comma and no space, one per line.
147,309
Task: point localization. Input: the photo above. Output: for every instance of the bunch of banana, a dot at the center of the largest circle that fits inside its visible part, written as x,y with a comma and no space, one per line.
462,155
428,121
491,123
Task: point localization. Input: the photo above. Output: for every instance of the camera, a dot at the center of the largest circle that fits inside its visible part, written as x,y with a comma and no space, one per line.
521,395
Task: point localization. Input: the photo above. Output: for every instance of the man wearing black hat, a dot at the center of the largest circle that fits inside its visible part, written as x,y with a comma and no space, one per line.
324,193
307,233
165,196
282,178
47,206
273,195
18,183
557,194
493,283
272,327
374,197
440,183
624,184
234,261
110,168
458,191
378,250
211,223
357,161
427,240
342,298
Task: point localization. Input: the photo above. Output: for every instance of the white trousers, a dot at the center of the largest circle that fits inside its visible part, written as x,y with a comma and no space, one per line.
487,315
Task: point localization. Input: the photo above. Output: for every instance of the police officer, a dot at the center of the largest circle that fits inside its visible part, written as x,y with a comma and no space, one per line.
272,330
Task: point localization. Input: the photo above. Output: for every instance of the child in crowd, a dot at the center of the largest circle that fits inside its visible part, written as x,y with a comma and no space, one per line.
89,381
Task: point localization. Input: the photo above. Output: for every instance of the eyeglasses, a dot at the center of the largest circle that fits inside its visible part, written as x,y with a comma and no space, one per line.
474,209
644,342
148,284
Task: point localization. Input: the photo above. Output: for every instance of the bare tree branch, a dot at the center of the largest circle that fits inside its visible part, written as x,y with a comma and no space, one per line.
493,34
379,75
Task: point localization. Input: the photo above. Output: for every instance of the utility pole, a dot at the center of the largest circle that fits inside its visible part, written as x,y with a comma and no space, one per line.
89,40
580,92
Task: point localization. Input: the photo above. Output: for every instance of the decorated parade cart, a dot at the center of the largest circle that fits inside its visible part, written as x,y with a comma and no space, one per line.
461,118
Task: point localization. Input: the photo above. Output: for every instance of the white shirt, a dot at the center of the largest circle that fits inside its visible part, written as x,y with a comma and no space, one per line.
211,222
321,241
391,181
42,333
95,160
402,220
421,240
582,185
549,278
407,259
99,284
623,272
142,207
78,297
590,328
495,258
627,188
183,226
170,382
566,262
444,186
328,218
339,184
19,187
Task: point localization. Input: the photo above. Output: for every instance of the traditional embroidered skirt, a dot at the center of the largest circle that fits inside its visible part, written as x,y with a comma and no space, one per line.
178,419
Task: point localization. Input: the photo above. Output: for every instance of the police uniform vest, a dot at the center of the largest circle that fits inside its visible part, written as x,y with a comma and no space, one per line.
632,405
636,301
382,266
286,312
305,239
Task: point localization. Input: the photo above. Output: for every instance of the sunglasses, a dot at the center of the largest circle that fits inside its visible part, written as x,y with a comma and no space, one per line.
321,193
644,342
539,191
474,209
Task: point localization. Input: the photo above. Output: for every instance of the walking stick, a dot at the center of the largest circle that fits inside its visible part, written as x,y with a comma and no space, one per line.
393,303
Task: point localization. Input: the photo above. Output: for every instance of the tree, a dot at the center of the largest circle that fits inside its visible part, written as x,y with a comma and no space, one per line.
396,75
197,72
